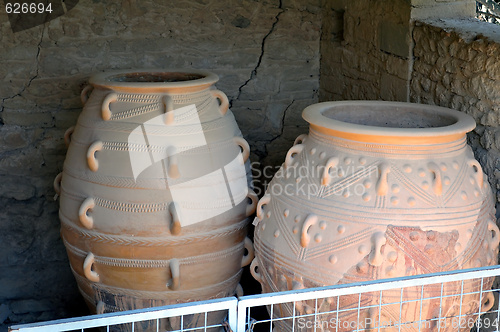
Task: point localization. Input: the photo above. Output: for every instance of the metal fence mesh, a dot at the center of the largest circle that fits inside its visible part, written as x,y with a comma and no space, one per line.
451,301
212,316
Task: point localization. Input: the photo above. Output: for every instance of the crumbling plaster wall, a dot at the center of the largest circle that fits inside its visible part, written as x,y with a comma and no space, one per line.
457,65
266,54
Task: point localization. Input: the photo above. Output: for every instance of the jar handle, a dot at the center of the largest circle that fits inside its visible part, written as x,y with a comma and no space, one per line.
173,166
296,149
105,110
479,175
175,225
57,185
382,186
253,270
488,302
305,238
325,178
245,148
91,159
247,259
67,135
87,268
168,104
84,95
300,139
437,183
85,219
253,204
495,237
175,282
260,206
224,102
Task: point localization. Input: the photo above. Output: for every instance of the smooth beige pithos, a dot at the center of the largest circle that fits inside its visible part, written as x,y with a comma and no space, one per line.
377,190
154,197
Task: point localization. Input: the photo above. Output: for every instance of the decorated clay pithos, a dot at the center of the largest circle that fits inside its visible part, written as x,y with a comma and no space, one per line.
377,190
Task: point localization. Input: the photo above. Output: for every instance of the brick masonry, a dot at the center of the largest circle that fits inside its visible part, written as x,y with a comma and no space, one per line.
266,54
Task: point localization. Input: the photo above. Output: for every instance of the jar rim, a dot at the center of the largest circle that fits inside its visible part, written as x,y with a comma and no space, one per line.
360,120
154,79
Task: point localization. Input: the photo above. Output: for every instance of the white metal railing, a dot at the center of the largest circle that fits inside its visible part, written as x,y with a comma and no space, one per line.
246,304
132,317
242,313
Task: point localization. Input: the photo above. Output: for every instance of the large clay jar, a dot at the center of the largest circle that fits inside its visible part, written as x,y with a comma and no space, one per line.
154,197
377,190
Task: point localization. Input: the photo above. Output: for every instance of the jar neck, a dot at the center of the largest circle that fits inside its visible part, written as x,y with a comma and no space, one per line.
383,138
391,145
138,89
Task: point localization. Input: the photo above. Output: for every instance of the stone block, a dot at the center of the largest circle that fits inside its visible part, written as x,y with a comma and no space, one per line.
422,68
443,95
466,53
275,114
430,58
457,102
41,88
394,38
277,151
446,80
26,161
436,74
490,119
478,64
26,118
17,187
492,67
30,306
15,137
66,118
393,88
459,85
397,66
293,115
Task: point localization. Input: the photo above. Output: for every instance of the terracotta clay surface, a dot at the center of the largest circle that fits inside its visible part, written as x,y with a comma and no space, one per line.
377,190
154,197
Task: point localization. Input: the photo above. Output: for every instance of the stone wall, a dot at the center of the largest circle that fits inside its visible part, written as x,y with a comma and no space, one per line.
365,49
366,46
457,65
422,51
265,52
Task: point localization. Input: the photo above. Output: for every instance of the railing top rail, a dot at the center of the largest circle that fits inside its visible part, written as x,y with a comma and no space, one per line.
124,317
